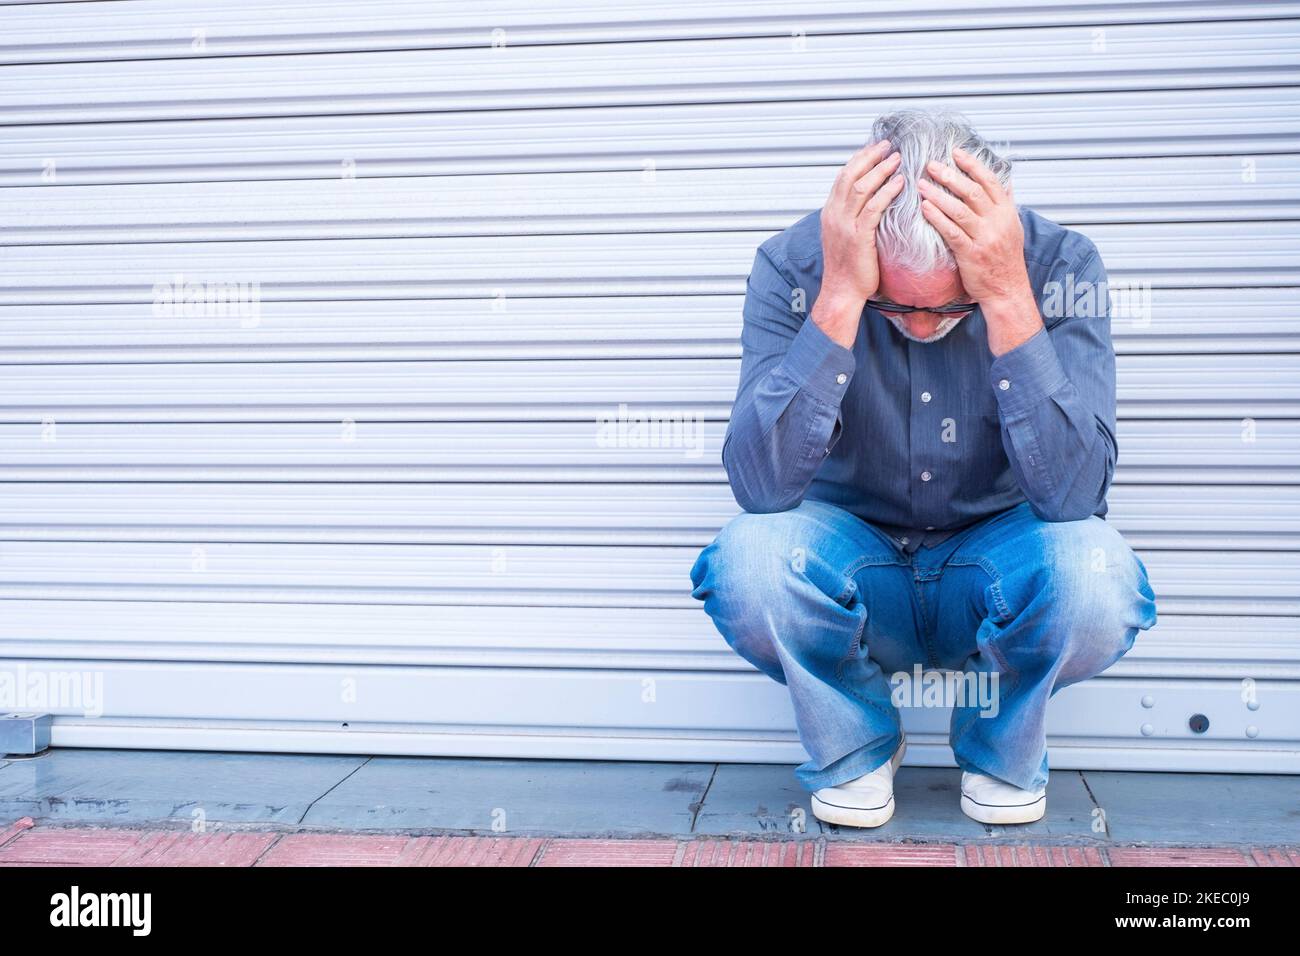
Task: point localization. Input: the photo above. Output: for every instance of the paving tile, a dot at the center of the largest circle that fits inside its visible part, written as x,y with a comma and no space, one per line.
1276,855
64,846
474,851
1204,808
340,849
72,846
517,800
786,852
1069,812
142,786
183,848
746,799
516,797
92,846
28,866
1005,854
758,798
564,852
1188,856
15,828
927,808
890,854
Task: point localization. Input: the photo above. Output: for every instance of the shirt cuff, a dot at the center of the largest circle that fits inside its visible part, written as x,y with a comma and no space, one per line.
1026,375
818,364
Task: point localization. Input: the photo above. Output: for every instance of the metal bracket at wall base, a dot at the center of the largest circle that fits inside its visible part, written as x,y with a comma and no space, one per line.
24,734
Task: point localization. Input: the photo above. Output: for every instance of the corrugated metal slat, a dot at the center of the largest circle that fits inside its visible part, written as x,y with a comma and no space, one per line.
1134,57
650,326
1189,582
1228,517
565,712
1124,190
461,636
141,29
678,136
1152,451
1150,386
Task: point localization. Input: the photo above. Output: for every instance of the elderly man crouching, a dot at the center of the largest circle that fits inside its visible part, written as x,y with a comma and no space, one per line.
923,460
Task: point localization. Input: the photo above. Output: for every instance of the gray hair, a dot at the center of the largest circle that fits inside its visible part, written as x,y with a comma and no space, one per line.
904,237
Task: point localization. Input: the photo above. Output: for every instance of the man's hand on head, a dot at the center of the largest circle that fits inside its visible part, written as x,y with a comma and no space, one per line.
850,271
978,220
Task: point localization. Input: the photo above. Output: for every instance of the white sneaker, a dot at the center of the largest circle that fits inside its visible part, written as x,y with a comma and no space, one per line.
867,801
990,800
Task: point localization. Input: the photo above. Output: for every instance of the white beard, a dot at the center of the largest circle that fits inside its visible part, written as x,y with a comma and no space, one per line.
946,325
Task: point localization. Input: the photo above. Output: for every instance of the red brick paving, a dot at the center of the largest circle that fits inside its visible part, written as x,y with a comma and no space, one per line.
1027,855
1276,856
746,853
71,847
114,847
165,848
338,849
579,852
477,851
22,843
15,828
1159,856
890,854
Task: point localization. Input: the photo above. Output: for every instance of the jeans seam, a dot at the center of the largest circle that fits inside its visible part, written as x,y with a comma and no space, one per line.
932,659
1000,600
874,561
855,638
855,645
1000,605
839,676
855,648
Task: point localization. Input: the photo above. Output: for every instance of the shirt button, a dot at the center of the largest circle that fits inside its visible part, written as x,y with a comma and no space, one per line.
841,378
925,396
929,527
925,476
903,540
1004,385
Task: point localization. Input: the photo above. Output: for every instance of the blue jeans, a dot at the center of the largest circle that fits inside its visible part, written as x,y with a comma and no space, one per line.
830,606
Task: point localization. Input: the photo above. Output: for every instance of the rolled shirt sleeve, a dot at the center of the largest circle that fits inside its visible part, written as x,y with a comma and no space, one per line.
793,377
1056,397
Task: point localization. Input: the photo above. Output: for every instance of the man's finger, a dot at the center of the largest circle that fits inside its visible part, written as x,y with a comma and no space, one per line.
952,234
866,187
951,206
879,201
979,172
971,192
853,170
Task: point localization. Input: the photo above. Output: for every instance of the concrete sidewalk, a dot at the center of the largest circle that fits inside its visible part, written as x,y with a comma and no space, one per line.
128,807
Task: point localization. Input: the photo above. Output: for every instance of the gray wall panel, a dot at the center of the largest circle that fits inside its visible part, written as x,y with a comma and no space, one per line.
466,254
1048,125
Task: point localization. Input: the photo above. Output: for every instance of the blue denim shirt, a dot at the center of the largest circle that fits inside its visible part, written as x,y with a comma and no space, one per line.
924,439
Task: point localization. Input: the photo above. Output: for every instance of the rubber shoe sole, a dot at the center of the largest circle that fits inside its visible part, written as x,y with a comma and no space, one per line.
852,816
858,816
985,813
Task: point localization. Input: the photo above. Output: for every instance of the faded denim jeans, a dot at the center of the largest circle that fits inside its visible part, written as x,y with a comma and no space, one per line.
831,606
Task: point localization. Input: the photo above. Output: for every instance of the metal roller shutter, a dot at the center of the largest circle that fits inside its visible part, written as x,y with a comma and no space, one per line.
379,519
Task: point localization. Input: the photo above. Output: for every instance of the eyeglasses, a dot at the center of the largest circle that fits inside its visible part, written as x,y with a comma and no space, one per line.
893,308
